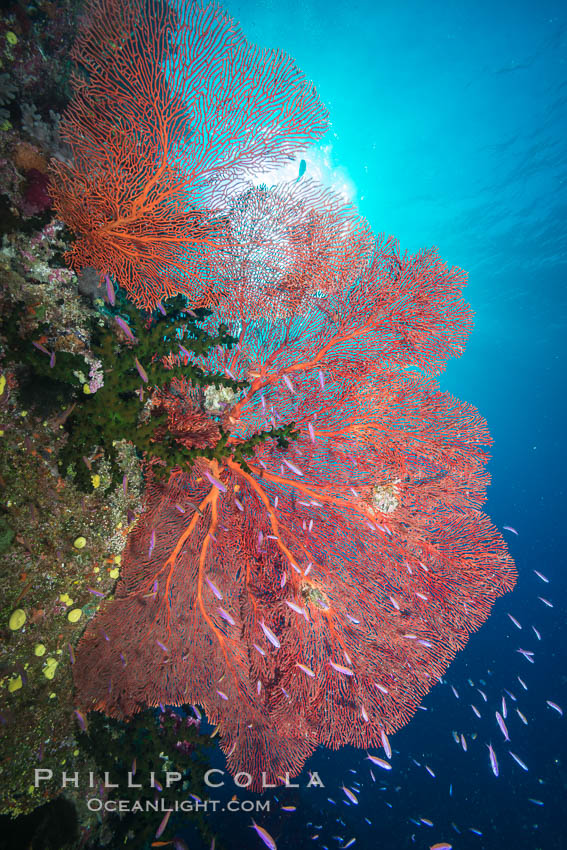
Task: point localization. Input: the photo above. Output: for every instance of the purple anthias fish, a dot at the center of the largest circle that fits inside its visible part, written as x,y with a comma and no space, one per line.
110,291
125,328
502,725
141,371
265,836
218,484
270,635
493,760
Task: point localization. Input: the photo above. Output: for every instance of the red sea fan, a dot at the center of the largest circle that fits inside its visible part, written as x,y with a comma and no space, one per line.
315,598
187,424
172,106
287,245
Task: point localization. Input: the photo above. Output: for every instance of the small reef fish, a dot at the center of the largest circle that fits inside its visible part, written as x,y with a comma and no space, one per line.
385,765
351,796
214,588
295,607
522,717
161,828
110,291
288,384
141,371
292,466
41,348
125,328
214,481
264,835
340,669
270,635
518,760
81,720
502,726
528,655
546,602
226,616
493,760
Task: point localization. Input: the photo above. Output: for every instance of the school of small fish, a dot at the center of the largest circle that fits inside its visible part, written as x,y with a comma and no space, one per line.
500,718
500,725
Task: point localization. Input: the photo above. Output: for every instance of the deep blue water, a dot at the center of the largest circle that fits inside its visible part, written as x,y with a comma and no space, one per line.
448,125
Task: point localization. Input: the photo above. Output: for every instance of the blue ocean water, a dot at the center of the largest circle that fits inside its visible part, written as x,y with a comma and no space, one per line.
448,129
